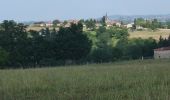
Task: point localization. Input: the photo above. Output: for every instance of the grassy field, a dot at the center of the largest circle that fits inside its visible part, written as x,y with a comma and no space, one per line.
131,80
146,34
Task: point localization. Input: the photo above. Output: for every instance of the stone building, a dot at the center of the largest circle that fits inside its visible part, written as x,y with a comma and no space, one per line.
162,53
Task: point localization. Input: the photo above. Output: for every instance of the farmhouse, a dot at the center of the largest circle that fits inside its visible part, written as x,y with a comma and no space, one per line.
129,25
162,53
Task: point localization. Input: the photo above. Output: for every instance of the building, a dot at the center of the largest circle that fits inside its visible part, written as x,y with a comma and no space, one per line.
43,24
39,24
139,27
110,22
129,25
48,24
161,53
69,22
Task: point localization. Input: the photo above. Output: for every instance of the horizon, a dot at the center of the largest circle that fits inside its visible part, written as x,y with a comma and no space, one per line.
36,10
86,18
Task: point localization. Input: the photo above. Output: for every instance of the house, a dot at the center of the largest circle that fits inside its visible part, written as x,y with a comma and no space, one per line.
48,24
118,24
73,21
129,25
39,24
43,24
161,53
139,27
113,23
69,22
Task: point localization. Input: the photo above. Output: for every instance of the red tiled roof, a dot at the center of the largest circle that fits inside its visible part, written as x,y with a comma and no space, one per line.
162,49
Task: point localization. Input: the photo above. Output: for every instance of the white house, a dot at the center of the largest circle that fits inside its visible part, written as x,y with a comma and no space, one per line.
139,28
129,25
49,24
118,24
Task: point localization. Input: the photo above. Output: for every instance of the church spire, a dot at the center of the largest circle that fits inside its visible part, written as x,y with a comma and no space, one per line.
106,17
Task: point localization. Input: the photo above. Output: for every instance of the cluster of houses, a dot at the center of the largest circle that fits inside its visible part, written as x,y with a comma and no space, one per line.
43,24
50,23
109,23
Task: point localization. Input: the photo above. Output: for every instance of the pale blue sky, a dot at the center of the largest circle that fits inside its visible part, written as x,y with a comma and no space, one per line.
26,10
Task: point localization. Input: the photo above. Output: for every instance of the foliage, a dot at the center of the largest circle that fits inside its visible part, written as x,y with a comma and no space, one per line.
104,50
23,50
48,47
55,22
90,24
3,57
137,48
71,43
152,24
164,42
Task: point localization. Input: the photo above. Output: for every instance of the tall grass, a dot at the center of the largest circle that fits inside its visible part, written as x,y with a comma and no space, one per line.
133,80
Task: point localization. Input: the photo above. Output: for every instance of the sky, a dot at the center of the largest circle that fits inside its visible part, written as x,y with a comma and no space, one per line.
37,10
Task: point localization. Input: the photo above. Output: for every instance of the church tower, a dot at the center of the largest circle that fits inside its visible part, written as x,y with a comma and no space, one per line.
106,18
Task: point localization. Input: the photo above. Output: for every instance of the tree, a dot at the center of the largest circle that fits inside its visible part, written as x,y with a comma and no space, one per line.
155,24
13,37
3,57
55,22
168,24
65,22
139,22
103,20
91,24
71,43
118,32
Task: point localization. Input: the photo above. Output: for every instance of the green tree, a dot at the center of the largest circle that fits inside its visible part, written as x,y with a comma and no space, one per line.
3,57
71,43
13,37
90,24
55,22
139,22
168,24
103,21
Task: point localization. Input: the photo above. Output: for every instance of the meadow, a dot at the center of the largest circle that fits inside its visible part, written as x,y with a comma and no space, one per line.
154,34
125,80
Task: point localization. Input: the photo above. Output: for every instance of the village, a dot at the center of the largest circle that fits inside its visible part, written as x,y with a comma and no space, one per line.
66,23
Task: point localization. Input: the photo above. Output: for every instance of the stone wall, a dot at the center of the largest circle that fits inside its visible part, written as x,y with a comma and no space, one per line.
162,54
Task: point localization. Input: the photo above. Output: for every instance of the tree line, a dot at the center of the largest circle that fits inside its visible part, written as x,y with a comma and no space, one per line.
151,24
22,48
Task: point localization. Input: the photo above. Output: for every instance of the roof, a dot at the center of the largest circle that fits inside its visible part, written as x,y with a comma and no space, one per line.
162,49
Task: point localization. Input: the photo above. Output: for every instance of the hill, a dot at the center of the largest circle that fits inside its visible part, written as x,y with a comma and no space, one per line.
130,80
130,18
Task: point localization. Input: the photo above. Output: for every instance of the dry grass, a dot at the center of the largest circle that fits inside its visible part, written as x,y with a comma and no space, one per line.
133,80
146,34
